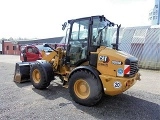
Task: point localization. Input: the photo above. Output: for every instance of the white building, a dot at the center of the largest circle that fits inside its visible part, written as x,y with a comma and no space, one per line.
154,14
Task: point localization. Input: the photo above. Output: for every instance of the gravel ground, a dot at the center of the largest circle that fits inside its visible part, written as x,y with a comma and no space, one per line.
24,102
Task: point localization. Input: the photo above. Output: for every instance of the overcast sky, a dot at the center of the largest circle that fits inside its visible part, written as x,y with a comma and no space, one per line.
44,18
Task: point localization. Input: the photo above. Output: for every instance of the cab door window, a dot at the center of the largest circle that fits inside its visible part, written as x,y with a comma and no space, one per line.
78,41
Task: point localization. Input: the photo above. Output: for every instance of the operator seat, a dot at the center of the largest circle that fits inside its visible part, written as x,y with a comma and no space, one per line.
84,52
76,52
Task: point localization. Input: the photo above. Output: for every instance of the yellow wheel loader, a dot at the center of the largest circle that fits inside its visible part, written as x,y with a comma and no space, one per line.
90,65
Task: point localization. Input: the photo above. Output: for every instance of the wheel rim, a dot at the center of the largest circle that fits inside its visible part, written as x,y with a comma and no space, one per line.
82,89
36,76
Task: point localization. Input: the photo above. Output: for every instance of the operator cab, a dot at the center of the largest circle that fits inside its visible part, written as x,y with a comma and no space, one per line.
87,35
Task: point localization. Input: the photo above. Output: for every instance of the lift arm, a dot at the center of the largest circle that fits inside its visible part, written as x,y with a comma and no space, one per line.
50,56
54,57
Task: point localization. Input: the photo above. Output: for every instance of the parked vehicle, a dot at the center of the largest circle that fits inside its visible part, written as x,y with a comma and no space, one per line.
29,53
89,67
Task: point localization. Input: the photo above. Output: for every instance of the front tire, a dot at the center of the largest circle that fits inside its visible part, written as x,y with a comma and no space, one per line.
84,88
39,77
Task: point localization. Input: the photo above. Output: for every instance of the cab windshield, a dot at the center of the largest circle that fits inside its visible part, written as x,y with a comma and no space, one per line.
101,32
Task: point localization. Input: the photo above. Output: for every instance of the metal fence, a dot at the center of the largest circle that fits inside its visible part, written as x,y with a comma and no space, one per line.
143,43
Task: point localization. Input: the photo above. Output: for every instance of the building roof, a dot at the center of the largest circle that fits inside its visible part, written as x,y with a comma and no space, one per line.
47,40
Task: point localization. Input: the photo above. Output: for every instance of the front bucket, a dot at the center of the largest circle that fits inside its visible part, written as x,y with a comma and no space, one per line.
22,72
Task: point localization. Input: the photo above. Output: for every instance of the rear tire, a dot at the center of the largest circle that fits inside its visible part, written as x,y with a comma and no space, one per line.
84,88
39,77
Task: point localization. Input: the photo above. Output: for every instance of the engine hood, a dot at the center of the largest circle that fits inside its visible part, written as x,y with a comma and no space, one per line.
121,55
128,56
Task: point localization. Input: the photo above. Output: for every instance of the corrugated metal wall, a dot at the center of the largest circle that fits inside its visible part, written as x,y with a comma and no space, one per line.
143,43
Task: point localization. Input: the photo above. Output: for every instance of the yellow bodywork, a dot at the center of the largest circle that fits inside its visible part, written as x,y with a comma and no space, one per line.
111,82
82,89
125,83
36,76
108,70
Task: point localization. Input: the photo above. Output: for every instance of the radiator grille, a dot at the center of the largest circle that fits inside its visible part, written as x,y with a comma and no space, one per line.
133,68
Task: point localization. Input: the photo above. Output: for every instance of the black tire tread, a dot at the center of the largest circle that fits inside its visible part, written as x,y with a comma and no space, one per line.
44,83
94,97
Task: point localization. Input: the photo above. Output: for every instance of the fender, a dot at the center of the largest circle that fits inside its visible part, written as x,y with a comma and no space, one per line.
95,72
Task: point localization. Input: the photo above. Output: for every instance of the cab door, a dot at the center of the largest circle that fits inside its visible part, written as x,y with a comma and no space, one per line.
78,41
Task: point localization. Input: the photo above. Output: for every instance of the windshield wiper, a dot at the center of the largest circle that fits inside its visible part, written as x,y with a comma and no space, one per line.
102,29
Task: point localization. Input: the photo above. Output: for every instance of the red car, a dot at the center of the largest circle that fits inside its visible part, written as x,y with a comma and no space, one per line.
30,53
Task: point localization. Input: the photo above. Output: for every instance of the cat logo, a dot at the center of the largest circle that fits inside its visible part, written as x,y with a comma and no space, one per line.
103,58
